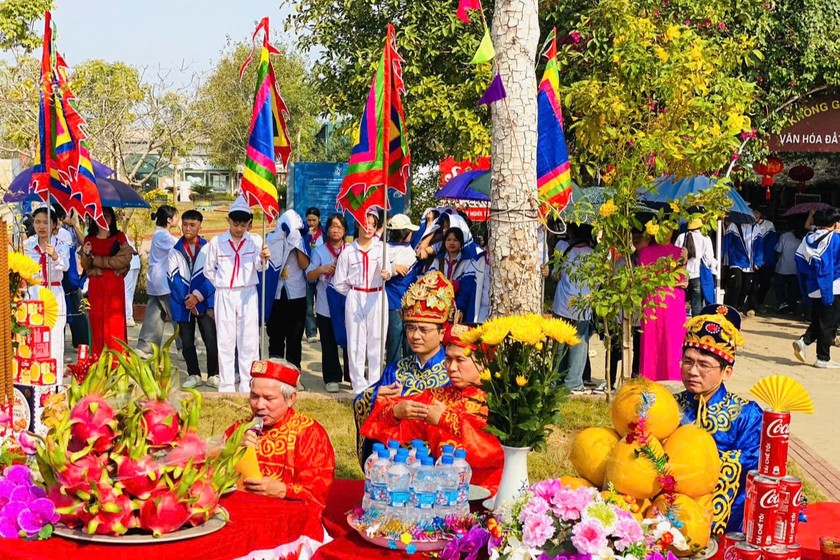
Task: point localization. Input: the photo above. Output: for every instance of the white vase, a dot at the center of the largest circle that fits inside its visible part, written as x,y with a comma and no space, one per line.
514,477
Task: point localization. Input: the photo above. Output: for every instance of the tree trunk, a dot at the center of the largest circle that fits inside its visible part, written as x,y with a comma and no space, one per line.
514,258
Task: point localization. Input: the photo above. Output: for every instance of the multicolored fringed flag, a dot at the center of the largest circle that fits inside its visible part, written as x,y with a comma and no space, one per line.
41,175
464,6
380,159
269,136
554,180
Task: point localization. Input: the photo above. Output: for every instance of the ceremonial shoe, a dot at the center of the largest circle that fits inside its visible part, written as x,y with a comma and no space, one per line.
213,381
191,381
333,388
827,364
130,323
580,391
800,350
142,353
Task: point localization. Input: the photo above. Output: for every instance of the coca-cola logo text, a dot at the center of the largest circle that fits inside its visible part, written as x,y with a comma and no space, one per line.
769,500
778,428
796,501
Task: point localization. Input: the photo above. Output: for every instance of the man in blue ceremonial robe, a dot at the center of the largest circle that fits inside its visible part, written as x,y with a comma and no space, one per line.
734,422
426,307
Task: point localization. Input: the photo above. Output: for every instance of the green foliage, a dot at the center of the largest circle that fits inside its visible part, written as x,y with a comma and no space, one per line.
226,104
18,20
441,88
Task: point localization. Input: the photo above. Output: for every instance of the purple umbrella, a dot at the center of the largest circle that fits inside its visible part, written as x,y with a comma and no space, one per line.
805,207
20,184
466,186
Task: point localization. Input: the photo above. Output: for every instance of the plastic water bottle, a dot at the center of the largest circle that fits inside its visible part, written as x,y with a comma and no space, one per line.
444,451
412,454
424,486
393,447
421,452
378,498
462,507
399,489
368,464
447,493
402,452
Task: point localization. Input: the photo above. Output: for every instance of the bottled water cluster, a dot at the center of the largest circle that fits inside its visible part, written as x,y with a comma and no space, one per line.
410,486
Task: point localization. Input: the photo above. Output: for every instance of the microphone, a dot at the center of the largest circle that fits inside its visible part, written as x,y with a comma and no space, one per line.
258,427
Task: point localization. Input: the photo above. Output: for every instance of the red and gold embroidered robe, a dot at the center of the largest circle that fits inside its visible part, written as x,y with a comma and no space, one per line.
462,425
297,451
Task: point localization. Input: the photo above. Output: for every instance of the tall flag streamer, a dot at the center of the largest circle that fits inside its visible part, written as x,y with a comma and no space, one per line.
269,135
380,159
554,180
464,6
63,170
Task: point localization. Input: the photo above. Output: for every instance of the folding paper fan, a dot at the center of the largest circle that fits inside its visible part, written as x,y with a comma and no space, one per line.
50,306
783,394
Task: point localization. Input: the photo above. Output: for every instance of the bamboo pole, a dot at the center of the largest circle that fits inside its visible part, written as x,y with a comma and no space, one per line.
7,398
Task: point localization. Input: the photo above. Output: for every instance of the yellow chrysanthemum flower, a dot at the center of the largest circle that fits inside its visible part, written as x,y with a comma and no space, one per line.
651,228
24,267
521,381
561,331
607,209
494,335
485,375
467,352
471,336
527,332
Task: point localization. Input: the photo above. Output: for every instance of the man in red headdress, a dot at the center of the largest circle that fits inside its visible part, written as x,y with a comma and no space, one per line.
455,414
294,452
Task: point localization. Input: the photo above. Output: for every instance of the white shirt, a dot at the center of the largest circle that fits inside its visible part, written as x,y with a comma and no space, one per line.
356,268
221,262
156,279
567,288
55,268
135,258
322,256
401,254
290,275
787,246
703,253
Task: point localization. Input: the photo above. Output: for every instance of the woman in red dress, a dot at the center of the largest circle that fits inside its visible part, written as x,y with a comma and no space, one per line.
106,257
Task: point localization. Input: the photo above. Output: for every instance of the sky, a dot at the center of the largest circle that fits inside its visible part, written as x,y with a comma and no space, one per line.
166,34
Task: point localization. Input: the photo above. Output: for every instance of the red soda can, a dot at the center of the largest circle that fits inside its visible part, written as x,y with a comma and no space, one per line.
775,552
729,542
790,502
84,350
775,436
746,551
763,502
794,551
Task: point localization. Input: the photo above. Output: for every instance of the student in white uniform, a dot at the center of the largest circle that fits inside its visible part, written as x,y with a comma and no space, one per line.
359,274
286,305
53,256
131,286
231,265
157,281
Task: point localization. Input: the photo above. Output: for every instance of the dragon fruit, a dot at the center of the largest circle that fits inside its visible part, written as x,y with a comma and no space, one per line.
138,477
161,422
109,512
67,506
189,447
77,475
206,499
93,423
163,513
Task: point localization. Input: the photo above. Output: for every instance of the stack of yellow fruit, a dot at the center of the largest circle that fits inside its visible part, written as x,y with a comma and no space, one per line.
604,457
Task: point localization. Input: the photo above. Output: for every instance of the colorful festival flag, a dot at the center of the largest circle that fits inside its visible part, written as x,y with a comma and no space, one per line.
554,180
464,5
486,52
269,136
494,92
380,159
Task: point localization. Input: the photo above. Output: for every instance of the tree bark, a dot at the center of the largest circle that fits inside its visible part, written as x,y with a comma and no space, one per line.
516,285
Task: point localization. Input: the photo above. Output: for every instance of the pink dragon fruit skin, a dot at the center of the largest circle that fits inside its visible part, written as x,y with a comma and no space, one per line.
69,507
93,421
189,446
206,500
78,475
139,478
110,513
163,513
161,422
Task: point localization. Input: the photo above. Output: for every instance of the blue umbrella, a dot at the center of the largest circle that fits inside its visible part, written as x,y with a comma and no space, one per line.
668,189
117,194
470,185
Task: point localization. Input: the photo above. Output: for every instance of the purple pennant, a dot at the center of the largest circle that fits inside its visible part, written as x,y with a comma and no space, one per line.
494,92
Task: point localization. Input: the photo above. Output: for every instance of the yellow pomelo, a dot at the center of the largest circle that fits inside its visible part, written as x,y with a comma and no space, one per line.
663,415
693,460
20,313
632,473
589,453
575,482
696,520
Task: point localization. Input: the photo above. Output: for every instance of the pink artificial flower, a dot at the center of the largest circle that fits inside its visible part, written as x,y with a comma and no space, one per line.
545,489
27,443
536,506
628,531
567,503
589,536
536,530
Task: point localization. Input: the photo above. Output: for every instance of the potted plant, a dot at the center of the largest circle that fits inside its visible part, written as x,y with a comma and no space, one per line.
202,196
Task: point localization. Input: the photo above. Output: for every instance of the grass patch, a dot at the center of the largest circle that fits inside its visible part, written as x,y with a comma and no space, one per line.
809,489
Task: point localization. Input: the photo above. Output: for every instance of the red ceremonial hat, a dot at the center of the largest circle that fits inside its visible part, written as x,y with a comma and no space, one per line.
429,300
452,335
269,369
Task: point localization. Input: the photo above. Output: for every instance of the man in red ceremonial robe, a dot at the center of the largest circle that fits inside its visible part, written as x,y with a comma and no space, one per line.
294,452
455,415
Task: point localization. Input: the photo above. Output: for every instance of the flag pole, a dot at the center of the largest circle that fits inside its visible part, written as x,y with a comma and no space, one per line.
386,152
262,288
383,323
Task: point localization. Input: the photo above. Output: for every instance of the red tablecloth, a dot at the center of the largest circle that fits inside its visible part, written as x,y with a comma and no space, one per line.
823,519
256,523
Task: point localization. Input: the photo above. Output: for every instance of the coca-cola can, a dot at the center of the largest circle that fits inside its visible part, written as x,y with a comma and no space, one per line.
746,551
729,542
790,502
775,436
794,551
762,504
775,552
84,350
